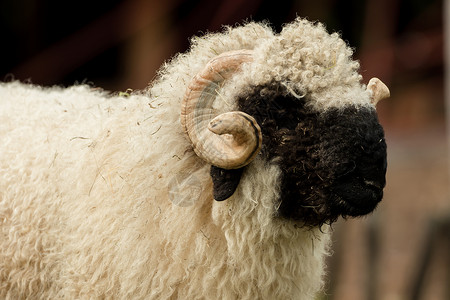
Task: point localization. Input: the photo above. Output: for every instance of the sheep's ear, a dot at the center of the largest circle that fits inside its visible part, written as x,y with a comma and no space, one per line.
225,182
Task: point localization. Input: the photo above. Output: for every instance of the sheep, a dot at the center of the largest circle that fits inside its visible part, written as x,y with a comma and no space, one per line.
107,195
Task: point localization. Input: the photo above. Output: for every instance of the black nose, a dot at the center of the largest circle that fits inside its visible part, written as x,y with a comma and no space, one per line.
355,196
359,191
360,178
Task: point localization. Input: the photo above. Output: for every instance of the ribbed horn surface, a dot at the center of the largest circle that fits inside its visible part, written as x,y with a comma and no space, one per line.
377,90
230,140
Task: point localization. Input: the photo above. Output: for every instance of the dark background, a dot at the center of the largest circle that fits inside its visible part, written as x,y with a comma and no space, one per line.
120,44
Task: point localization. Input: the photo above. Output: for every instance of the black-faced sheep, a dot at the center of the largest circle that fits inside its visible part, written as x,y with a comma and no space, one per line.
106,196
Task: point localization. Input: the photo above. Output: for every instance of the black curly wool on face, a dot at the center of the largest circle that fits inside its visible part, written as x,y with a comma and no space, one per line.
333,162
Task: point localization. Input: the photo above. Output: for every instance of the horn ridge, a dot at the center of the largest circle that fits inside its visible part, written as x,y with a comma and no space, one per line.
377,90
230,140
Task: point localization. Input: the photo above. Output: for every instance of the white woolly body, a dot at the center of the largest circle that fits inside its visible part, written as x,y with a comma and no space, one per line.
87,179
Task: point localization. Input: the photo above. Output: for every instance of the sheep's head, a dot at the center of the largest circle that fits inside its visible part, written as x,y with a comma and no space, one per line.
332,156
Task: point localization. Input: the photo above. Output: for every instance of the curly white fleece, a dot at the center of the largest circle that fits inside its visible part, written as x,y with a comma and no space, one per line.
86,178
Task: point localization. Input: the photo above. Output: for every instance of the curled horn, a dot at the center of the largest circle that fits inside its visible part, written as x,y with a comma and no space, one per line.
230,140
377,90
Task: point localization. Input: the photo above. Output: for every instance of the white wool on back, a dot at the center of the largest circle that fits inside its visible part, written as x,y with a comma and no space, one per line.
88,183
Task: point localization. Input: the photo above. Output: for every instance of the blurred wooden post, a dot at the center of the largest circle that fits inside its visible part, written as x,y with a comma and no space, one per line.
446,21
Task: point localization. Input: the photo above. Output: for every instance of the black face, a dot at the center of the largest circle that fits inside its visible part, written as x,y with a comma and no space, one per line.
333,162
